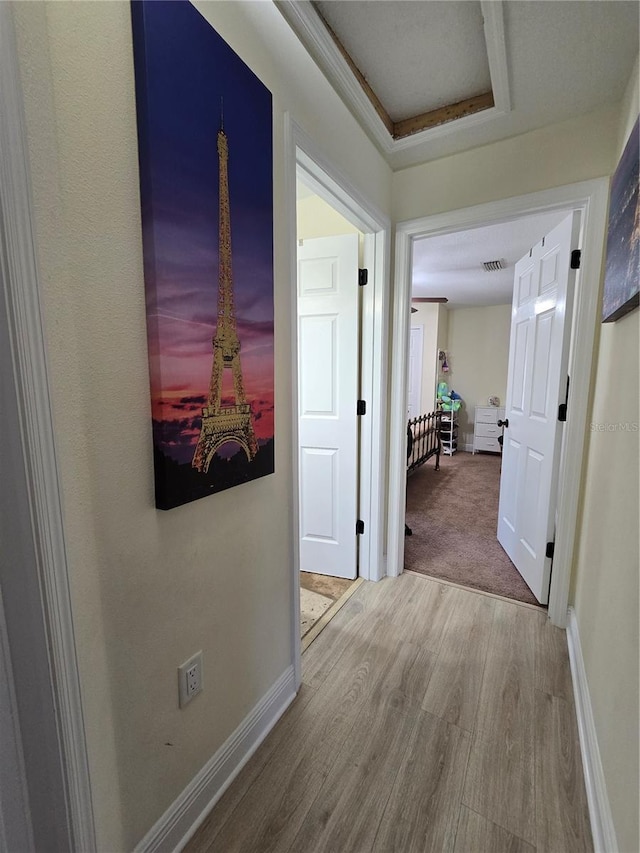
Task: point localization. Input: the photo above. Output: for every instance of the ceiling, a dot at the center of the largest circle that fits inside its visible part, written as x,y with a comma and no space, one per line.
451,264
430,78
370,31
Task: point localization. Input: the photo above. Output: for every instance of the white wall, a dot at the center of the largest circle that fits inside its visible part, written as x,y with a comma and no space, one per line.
478,354
150,588
427,317
316,218
606,571
574,150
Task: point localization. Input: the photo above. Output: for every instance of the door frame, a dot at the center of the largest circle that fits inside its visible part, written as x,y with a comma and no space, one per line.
49,707
304,157
590,198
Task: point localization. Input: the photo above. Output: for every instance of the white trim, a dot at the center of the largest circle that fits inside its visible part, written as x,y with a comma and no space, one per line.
493,14
306,23
303,155
290,178
602,828
594,205
589,197
181,820
21,294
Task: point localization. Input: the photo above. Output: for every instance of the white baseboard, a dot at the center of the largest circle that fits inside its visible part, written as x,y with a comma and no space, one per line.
602,828
184,816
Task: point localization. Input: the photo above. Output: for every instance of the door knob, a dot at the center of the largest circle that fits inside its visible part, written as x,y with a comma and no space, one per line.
504,423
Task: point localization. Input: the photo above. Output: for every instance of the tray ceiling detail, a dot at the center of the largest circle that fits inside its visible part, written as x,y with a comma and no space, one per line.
405,96
407,99
421,77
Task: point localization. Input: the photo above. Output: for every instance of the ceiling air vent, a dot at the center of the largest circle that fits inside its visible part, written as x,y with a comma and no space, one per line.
492,266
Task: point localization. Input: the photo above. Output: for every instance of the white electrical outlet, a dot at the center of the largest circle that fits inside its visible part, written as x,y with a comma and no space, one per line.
190,678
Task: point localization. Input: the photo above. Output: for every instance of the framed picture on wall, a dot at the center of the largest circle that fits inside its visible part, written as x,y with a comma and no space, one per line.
621,285
206,186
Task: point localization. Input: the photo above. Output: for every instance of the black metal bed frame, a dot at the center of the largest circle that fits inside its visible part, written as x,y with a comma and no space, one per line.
423,440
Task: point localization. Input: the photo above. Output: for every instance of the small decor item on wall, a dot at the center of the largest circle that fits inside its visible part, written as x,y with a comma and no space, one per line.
621,286
444,366
494,401
206,185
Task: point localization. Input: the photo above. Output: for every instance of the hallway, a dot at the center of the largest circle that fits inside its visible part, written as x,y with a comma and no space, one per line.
430,719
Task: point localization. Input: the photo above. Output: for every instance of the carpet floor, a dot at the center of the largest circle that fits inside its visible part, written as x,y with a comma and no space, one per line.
317,594
454,517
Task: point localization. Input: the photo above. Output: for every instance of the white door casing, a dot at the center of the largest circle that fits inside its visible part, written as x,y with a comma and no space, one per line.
536,385
327,396
591,199
416,349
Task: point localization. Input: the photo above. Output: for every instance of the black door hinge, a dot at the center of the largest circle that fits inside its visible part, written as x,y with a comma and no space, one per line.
359,527
575,259
562,408
551,546
361,408
363,277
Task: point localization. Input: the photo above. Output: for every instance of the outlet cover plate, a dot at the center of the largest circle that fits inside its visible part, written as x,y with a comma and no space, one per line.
190,679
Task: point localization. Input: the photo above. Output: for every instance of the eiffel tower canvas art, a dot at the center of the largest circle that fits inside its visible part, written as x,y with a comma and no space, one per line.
231,423
206,186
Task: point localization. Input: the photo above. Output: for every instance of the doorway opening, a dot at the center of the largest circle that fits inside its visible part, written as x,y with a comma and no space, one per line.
589,199
318,403
330,253
461,308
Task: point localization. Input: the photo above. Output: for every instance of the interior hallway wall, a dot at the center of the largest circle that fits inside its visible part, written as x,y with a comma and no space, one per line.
574,150
150,588
606,572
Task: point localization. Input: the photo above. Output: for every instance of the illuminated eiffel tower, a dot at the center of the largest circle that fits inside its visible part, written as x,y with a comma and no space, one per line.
221,424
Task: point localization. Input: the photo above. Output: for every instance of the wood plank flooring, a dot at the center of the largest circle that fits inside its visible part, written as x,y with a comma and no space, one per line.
430,719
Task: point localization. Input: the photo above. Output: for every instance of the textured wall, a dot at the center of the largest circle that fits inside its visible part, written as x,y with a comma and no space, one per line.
574,150
606,575
150,588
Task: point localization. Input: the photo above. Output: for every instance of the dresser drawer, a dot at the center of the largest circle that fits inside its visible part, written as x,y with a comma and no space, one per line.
488,430
482,443
486,415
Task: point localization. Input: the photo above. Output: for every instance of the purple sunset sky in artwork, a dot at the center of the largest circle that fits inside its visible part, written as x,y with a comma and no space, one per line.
191,76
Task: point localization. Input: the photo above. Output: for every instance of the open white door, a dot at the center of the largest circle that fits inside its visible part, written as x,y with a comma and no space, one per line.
328,366
415,372
536,385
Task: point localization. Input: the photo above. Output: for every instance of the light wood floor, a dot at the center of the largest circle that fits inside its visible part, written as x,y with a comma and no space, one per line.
430,718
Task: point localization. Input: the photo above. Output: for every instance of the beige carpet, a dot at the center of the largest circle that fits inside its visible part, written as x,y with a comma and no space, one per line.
454,515
317,594
312,607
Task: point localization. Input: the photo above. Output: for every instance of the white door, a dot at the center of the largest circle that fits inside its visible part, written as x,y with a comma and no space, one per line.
328,368
536,385
414,403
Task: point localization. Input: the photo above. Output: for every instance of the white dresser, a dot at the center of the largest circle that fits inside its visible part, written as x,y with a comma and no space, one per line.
486,429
